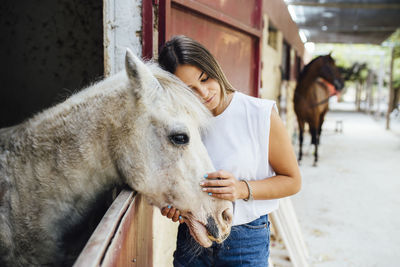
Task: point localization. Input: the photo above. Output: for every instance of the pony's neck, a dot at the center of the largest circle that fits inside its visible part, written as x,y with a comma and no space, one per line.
73,139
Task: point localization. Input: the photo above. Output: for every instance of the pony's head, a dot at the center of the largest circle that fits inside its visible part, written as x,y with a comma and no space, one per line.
163,156
330,72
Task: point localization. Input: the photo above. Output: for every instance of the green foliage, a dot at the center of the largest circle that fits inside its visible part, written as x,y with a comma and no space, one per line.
346,55
351,57
394,41
396,73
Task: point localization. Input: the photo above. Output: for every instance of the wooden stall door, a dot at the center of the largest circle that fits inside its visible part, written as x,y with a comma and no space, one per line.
230,29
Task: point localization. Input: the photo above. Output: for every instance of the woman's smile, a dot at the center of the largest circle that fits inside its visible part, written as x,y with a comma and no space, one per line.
209,100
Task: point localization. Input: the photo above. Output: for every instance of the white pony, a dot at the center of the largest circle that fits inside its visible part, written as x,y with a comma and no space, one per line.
140,127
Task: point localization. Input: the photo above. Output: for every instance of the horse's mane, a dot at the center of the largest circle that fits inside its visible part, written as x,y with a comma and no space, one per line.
305,70
173,91
178,93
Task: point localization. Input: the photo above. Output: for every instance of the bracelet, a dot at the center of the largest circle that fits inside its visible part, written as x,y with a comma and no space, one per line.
250,197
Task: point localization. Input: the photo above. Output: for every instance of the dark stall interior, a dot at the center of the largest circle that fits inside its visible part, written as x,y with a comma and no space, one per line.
49,49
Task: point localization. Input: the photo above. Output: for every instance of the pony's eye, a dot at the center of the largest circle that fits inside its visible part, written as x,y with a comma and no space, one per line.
179,139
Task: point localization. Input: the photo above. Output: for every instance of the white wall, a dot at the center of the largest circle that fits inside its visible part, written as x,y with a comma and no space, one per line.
271,58
122,29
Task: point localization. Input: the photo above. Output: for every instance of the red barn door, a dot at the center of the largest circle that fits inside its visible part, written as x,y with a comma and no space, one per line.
230,29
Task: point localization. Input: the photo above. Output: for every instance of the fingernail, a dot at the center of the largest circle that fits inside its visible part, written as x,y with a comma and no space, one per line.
204,189
201,183
205,175
180,217
169,206
210,194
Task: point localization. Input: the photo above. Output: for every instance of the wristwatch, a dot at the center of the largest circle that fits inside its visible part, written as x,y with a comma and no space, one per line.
250,197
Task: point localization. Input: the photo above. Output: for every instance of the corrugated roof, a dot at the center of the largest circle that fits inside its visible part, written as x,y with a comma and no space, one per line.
338,21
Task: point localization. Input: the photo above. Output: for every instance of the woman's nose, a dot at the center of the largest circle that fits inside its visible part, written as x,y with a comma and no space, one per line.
202,91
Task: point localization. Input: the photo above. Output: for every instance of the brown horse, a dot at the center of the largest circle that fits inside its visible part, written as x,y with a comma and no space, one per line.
319,80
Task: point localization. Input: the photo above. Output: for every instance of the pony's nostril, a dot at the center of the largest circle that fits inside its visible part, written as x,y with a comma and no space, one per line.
227,216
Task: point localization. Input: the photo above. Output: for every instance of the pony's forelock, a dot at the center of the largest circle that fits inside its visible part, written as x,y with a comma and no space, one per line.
185,101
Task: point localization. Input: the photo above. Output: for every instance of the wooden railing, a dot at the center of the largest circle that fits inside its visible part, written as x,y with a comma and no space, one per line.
121,238
287,230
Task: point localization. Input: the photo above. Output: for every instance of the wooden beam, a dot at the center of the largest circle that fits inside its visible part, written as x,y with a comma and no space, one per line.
279,17
350,29
345,5
147,30
391,92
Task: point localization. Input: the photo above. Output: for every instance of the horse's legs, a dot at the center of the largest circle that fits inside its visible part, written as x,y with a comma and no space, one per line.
301,144
316,155
301,132
314,141
317,137
321,121
314,135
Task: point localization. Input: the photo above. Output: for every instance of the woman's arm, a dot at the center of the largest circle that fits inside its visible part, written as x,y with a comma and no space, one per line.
281,158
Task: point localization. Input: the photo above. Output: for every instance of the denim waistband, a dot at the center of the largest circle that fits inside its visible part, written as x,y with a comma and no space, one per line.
260,221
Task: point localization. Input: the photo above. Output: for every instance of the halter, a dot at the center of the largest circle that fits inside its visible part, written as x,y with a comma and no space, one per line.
326,68
329,86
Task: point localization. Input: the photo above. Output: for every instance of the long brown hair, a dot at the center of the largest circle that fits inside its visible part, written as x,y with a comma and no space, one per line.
184,50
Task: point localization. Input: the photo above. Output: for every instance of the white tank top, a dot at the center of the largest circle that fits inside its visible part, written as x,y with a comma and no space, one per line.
237,141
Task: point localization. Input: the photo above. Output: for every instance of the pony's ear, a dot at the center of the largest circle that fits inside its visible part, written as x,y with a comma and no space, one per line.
139,75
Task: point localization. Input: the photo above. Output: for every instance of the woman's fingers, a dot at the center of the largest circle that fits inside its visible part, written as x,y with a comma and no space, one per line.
221,174
219,178
209,183
175,217
164,211
218,190
221,184
171,212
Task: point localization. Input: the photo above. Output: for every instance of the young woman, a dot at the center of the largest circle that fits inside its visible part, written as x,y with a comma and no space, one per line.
248,145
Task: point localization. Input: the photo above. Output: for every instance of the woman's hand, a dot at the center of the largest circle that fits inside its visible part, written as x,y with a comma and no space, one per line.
172,213
224,185
220,184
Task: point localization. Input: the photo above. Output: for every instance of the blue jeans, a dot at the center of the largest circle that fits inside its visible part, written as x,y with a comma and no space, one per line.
247,245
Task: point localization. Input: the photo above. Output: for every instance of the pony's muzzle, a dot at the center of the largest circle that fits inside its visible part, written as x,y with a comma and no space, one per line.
227,216
219,234
212,228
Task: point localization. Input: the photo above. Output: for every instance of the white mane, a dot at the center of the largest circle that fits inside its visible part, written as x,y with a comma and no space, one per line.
178,93
172,88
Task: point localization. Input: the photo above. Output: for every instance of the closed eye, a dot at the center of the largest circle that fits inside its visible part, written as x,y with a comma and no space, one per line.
205,79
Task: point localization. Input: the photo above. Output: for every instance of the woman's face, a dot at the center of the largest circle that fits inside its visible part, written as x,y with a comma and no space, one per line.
207,89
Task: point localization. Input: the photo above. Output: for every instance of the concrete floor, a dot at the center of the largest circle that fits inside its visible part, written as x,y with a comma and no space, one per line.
349,205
